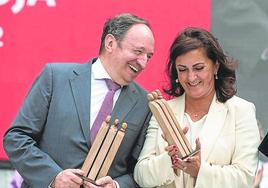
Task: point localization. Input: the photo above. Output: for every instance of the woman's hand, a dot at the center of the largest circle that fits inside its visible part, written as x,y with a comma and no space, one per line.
190,165
258,177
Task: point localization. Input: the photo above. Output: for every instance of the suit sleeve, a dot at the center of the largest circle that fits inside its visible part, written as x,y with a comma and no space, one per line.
21,139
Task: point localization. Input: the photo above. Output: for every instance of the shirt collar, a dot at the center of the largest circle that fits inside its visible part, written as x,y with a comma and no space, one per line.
98,71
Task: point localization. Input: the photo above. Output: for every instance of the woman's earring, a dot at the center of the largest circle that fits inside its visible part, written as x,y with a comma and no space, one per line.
216,76
177,80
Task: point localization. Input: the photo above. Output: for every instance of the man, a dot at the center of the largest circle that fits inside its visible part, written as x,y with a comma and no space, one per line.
50,137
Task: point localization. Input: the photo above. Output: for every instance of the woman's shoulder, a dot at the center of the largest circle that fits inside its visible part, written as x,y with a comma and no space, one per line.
240,104
238,101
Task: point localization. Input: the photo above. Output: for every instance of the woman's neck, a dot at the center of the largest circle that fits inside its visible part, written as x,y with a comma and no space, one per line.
197,108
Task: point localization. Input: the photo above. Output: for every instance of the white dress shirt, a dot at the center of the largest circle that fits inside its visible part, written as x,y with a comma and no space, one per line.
194,128
99,89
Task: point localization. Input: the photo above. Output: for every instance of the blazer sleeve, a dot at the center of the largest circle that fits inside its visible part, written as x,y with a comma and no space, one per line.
240,173
154,167
21,139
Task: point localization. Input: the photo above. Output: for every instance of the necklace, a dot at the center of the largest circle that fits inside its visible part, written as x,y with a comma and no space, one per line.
196,115
197,110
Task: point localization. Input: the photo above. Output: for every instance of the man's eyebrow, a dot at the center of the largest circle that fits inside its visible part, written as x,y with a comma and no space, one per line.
138,47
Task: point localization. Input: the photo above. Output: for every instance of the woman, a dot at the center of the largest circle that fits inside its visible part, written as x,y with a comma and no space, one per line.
224,126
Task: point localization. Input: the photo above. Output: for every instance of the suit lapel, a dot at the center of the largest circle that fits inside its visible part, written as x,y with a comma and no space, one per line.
80,84
126,101
212,127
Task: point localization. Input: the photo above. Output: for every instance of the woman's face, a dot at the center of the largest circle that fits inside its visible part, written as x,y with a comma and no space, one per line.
196,73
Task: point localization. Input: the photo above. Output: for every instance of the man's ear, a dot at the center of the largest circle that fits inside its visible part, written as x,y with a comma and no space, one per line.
110,43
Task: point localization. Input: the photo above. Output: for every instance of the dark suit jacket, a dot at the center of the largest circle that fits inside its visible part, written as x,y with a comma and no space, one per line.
51,130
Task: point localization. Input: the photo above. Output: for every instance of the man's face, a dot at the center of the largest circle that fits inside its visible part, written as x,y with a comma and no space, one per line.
130,55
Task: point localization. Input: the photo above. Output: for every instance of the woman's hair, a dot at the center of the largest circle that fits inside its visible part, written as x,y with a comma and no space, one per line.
195,38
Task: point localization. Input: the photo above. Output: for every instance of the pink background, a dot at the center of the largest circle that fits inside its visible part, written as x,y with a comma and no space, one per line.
70,31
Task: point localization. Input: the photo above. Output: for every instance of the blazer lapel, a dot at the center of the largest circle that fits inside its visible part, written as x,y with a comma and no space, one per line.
213,124
178,106
126,101
212,127
80,84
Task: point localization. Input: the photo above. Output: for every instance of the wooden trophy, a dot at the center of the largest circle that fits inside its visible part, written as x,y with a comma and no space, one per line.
103,149
169,124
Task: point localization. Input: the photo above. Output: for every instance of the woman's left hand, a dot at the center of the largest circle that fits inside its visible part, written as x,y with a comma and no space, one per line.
190,165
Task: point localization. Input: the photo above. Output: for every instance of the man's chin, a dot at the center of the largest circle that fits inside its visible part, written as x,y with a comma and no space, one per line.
127,81
128,78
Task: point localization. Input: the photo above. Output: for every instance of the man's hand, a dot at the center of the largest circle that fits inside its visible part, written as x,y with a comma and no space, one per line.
105,182
68,179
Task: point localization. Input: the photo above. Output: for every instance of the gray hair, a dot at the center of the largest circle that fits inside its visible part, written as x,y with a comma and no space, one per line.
119,25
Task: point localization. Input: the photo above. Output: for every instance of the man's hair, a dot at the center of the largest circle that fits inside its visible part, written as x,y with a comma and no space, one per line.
119,25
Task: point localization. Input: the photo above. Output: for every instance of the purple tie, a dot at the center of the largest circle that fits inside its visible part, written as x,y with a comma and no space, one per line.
106,108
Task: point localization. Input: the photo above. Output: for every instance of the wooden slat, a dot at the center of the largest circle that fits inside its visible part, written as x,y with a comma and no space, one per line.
168,123
103,149
102,153
112,152
96,146
165,126
176,127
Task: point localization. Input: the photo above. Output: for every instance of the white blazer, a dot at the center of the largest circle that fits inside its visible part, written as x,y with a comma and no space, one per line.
229,141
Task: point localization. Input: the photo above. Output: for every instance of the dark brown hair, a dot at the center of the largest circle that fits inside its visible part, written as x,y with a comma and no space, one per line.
195,38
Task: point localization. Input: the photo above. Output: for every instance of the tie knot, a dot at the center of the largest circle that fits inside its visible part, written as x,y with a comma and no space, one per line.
112,86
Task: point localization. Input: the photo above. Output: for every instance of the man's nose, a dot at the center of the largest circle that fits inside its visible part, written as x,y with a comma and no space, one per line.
142,61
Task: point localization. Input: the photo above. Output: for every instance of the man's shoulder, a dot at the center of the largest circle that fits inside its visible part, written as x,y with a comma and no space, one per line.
67,67
64,65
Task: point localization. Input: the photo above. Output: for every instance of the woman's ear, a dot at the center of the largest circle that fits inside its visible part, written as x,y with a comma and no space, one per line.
217,66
